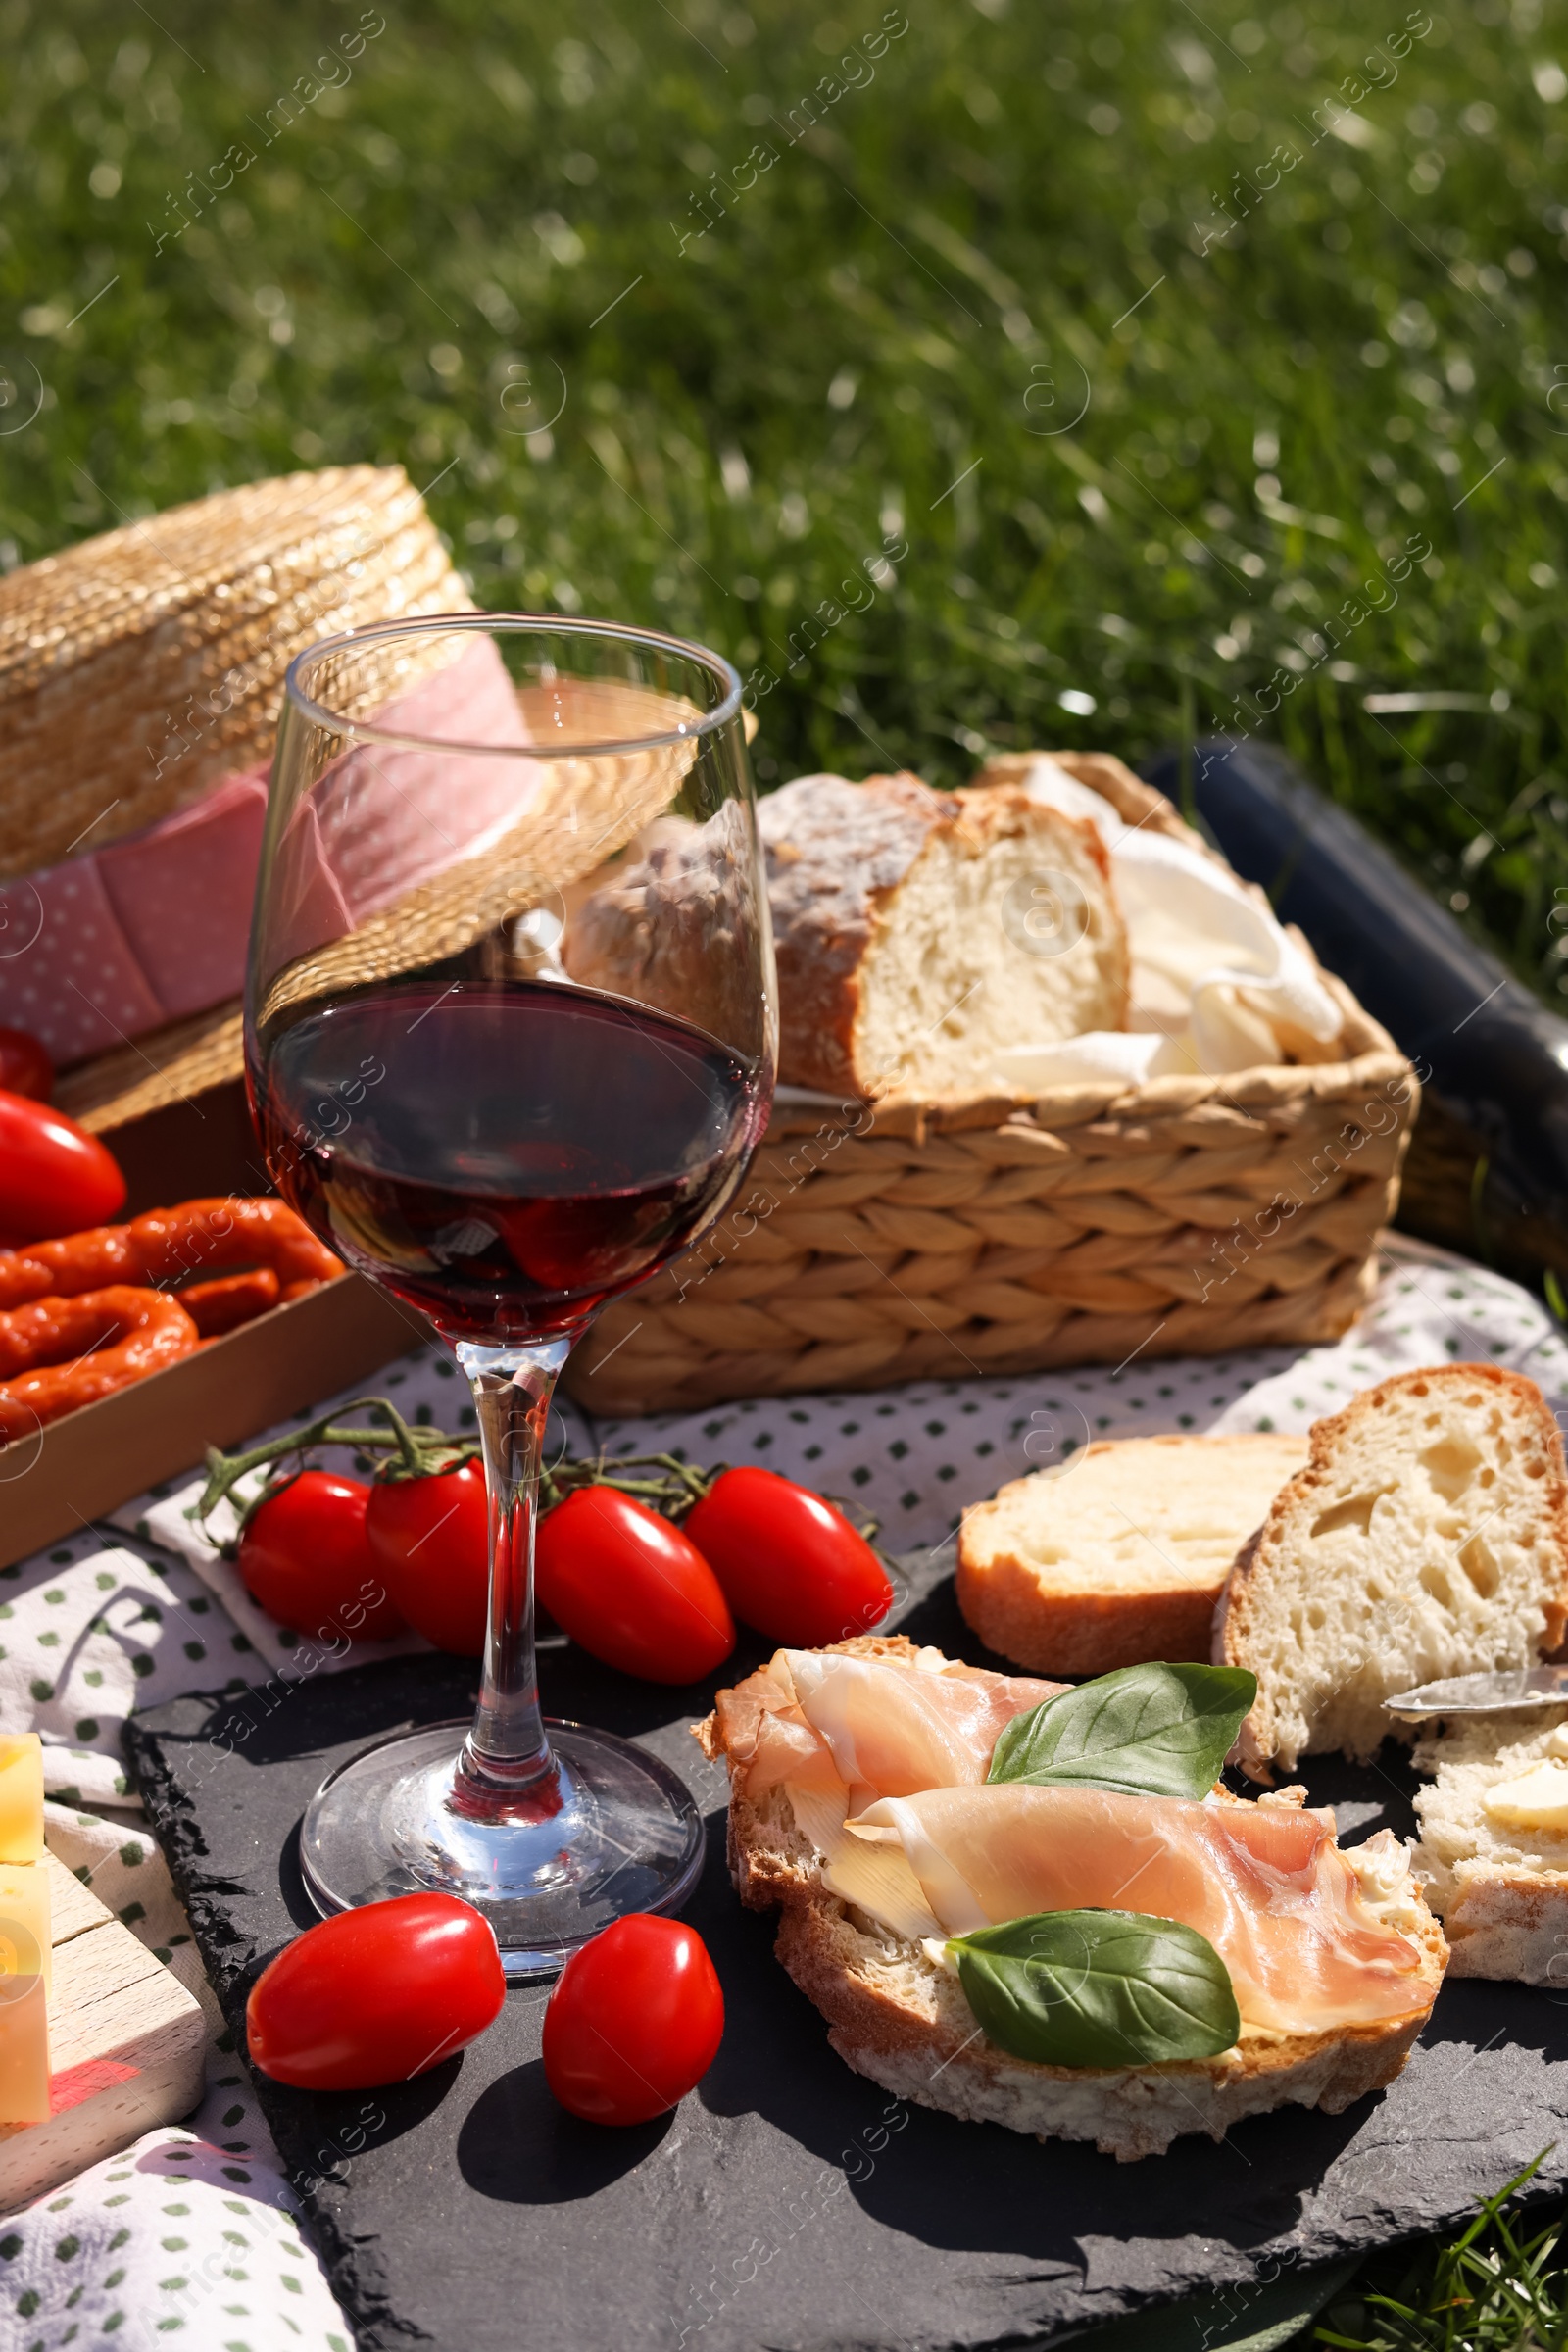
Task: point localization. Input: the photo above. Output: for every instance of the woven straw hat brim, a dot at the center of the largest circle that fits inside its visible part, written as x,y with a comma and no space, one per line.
176,1064
140,667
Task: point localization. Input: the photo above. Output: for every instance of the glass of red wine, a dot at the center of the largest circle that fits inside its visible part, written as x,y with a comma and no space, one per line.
510,1035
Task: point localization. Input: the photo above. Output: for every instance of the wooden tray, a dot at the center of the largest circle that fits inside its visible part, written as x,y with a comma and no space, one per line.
78,1468
126,2047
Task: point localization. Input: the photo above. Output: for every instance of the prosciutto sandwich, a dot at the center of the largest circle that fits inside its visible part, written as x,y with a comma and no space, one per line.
1031,1904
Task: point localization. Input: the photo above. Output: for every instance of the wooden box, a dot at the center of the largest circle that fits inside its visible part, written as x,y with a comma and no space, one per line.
127,2048
76,1469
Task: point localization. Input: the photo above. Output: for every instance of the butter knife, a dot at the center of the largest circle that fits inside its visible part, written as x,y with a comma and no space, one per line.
1514,1690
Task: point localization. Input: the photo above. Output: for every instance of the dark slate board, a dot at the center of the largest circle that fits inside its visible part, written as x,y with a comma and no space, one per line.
786,2203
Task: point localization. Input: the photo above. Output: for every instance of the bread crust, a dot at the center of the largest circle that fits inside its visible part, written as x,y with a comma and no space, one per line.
836,852
1257,1562
652,931
1080,1633
1078,1630
902,2020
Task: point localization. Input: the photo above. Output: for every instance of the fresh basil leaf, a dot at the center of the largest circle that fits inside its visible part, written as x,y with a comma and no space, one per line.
1158,1731
1103,1989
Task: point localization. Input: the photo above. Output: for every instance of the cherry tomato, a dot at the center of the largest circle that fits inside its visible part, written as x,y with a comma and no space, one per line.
629,1586
634,2021
53,1176
375,1995
305,1557
430,1539
24,1066
790,1564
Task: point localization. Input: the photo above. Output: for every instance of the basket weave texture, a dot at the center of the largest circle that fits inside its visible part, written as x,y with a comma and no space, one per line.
906,1242
140,667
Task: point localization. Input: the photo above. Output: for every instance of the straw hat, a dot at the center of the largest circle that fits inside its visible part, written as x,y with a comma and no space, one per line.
142,666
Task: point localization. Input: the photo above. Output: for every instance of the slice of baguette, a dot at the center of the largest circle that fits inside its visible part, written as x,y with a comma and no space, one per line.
900,2017
1427,1536
1501,1891
1120,1557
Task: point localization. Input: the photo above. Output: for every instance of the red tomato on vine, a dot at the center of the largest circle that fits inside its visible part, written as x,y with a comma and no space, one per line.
431,1541
791,1565
305,1556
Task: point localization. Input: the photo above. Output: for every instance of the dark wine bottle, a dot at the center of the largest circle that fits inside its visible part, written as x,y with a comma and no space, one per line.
1488,1170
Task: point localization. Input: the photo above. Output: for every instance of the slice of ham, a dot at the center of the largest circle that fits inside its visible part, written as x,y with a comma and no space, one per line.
1265,1884
868,1726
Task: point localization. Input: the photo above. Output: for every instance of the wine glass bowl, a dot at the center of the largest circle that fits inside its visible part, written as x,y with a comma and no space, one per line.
510,1043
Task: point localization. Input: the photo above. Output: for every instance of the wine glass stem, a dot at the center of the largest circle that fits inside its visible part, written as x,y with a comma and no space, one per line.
505,1758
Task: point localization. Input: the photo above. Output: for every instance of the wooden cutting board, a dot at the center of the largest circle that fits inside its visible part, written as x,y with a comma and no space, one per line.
126,2047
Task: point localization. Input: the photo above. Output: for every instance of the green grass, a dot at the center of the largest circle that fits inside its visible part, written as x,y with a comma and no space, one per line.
875,339
1497,2287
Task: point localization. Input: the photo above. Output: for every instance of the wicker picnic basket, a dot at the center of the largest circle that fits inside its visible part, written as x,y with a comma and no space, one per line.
873,1244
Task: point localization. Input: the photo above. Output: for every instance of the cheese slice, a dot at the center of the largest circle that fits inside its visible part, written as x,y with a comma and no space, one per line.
23,2051
22,1798
1538,1799
26,1940
25,1946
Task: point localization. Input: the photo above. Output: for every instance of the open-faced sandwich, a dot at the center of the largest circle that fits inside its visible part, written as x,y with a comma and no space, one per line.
1031,1904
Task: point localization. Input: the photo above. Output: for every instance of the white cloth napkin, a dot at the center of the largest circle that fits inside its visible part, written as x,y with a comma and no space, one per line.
198,1542
1217,985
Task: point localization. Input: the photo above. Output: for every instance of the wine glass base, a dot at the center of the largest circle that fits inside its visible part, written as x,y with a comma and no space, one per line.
618,1832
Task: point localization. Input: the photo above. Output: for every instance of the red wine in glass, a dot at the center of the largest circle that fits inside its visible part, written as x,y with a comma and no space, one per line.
503,1154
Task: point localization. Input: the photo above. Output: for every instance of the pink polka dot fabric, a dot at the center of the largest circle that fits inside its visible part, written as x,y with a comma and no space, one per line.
75,984
153,928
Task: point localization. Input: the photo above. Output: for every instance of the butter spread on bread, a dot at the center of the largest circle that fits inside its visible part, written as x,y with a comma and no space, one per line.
1494,1845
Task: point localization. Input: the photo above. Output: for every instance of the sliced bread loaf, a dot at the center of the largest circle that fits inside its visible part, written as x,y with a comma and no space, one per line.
919,932
1494,1845
1427,1536
1120,1555
899,2015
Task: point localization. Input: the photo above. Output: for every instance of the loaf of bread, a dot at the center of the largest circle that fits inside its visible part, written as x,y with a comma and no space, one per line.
661,927
919,932
1428,1535
1120,1555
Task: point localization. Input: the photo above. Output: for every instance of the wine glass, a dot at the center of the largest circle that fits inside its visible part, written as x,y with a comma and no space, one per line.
509,1038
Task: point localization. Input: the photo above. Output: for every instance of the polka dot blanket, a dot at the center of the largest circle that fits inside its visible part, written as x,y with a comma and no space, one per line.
191,2234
